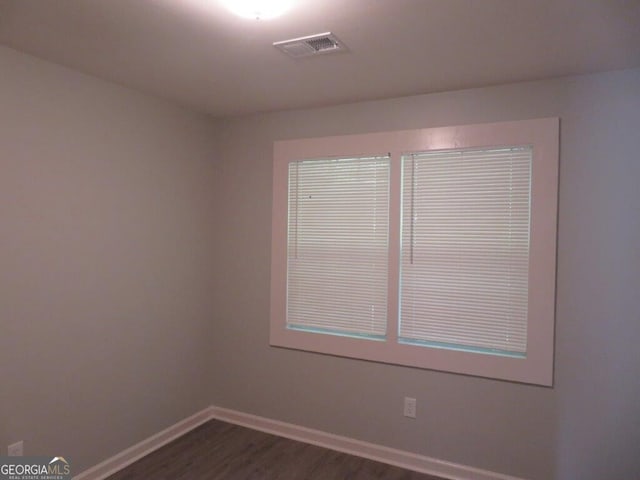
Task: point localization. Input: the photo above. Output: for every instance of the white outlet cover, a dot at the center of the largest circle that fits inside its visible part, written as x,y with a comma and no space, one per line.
409,407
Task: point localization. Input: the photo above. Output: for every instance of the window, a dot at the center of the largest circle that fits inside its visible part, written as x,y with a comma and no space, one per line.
430,248
465,249
337,246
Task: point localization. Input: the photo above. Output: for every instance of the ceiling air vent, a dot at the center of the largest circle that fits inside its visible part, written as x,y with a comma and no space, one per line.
311,45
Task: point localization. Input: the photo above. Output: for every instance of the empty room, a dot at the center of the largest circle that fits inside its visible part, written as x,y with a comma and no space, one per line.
320,239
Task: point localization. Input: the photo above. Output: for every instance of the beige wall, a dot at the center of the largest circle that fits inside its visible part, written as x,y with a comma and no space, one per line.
106,263
134,279
588,425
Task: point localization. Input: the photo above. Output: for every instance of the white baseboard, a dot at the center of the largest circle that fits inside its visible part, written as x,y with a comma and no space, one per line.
399,458
146,446
391,456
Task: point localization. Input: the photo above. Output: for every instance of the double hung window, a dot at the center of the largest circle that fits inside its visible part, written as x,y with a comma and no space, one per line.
431,248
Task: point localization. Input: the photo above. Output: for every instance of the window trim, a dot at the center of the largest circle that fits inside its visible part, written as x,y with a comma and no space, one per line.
543,135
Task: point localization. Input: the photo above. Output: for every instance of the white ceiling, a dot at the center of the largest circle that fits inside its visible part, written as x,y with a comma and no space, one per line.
197,53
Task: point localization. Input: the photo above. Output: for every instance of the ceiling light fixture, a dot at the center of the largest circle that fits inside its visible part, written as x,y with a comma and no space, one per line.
258,9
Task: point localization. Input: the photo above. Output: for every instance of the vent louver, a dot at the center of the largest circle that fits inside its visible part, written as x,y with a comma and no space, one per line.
312,45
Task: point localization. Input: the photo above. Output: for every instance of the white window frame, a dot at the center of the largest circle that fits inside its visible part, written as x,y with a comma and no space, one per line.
543,136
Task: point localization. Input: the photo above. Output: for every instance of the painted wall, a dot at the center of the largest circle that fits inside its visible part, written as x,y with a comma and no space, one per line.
106,262
588,425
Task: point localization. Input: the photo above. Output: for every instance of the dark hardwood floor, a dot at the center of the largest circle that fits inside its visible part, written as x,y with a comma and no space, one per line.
222,451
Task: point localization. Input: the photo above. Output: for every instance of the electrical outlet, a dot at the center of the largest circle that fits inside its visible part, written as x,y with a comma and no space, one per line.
16,449
409,407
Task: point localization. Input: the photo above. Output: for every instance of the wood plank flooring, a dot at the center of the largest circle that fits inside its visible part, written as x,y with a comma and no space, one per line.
221,451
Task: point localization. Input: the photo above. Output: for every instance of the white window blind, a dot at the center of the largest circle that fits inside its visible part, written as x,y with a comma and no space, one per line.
465,249
337,261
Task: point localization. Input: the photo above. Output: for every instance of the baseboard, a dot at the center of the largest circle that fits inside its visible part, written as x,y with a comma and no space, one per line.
391,456
400,458
146,446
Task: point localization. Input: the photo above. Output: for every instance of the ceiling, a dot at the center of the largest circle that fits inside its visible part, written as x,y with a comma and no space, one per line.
197,53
